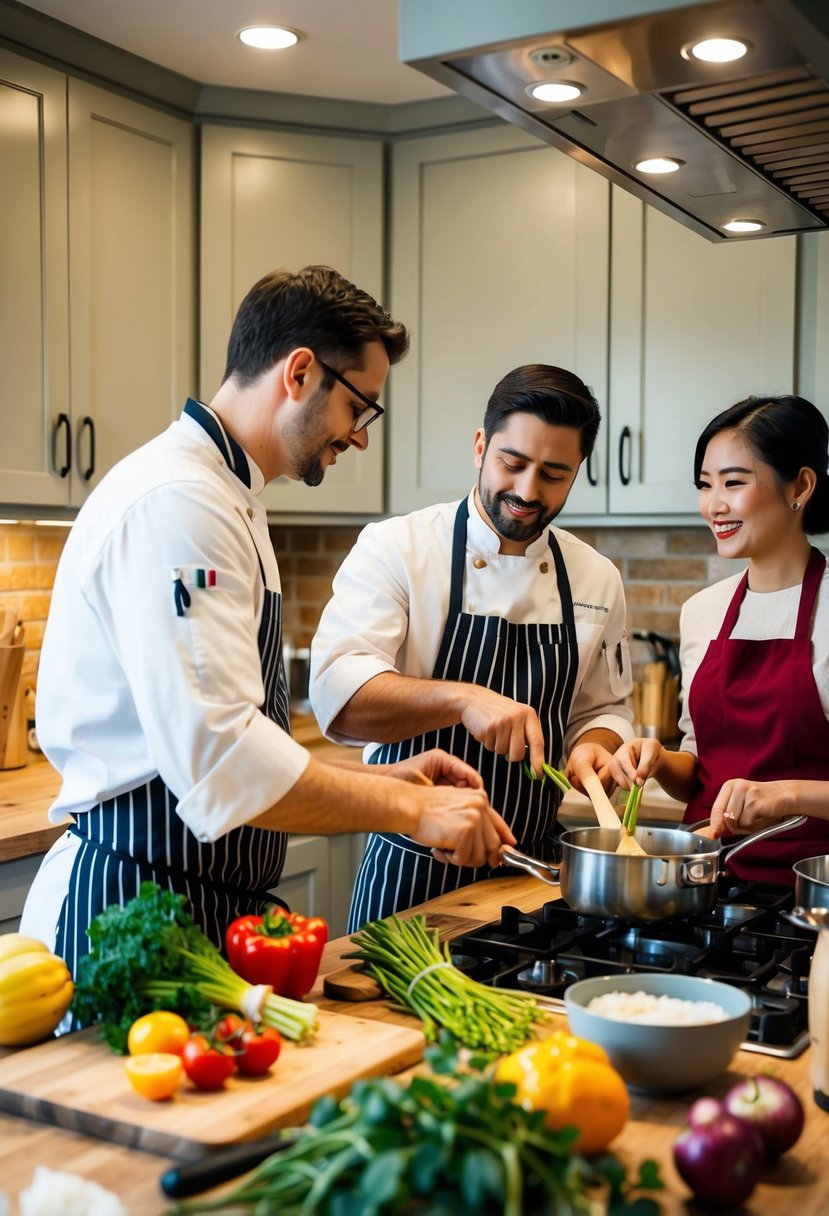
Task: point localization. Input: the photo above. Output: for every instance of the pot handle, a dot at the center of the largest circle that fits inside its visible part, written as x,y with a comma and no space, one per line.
699,871
728,851
539,869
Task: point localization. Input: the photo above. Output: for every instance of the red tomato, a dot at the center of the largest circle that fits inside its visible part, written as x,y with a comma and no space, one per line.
256,1049
207,1066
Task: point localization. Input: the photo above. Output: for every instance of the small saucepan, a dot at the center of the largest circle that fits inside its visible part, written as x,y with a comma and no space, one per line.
677,876
811,882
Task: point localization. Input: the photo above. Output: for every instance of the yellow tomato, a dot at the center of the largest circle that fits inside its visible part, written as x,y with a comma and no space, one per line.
155,1076
574,1083
158,1031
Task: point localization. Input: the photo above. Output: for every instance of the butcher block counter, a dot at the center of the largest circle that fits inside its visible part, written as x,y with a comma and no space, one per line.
800,1182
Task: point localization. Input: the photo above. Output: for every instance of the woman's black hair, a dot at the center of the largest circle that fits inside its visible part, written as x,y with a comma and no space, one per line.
556,396
786,433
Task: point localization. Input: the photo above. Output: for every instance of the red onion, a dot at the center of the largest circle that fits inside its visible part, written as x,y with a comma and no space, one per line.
772,1107
718,1155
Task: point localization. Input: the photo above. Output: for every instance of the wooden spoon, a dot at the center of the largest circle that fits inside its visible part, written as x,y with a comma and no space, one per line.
8,623
607,815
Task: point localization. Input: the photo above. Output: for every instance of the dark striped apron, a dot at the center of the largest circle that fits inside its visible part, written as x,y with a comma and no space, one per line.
138,837
534,664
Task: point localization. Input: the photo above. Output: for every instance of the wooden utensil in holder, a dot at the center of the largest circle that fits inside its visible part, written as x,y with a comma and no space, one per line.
14,746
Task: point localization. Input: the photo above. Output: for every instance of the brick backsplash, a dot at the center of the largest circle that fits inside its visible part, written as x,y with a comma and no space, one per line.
660,567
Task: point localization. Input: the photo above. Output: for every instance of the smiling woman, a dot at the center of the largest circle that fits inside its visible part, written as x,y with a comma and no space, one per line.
755,648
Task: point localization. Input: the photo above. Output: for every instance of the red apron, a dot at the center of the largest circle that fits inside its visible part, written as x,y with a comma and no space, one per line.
757,714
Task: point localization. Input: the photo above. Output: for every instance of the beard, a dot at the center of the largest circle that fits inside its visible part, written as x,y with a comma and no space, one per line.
504,524
302,440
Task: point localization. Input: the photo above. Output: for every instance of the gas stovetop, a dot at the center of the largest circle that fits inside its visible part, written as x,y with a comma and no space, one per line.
746,940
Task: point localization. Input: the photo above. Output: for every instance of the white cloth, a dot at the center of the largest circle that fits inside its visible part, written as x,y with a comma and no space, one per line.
126,687
391,596
763,615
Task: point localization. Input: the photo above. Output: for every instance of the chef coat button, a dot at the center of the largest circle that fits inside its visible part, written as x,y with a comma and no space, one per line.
250,512
479,563
544,567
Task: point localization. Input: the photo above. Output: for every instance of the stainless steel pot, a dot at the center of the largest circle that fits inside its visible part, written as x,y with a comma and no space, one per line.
811,882
676,877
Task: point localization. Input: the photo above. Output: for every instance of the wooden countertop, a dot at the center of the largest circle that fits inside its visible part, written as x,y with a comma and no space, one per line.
27,793
798,1183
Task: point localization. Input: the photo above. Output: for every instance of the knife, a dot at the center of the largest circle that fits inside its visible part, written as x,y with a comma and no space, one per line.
196,1176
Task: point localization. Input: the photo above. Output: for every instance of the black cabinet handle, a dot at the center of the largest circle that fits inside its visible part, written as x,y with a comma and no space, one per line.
624,438
87,424
591,476
65,425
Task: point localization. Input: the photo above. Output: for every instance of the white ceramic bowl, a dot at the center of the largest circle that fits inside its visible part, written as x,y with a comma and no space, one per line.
662,1059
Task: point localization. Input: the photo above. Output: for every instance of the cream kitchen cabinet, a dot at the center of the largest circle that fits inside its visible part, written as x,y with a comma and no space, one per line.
319,875
499,258
278,199
96,298
694,327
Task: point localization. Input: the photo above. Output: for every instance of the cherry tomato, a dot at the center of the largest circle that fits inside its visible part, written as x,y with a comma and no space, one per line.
207,1065
256,1049
159,1031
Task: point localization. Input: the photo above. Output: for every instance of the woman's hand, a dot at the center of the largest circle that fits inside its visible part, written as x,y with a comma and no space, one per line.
744,806
435,767
635,762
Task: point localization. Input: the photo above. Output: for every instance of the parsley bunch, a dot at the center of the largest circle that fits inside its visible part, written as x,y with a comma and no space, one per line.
436,1148
149,955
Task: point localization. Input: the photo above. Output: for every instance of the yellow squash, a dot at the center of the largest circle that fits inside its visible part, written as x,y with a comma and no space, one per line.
36,990
574,1083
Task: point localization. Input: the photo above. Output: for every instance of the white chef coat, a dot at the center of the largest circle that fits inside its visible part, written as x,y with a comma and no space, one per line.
763,615
127,688
391,596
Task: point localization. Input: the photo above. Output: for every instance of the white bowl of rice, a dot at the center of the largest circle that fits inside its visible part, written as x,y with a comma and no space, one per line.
663,1033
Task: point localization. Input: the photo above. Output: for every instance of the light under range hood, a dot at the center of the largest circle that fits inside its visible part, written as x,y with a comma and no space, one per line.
751,136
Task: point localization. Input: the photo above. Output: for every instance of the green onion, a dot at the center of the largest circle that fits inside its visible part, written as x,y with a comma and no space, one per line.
632,807
547,770
408,961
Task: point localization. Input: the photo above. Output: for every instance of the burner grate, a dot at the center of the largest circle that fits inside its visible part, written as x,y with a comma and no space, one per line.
745,941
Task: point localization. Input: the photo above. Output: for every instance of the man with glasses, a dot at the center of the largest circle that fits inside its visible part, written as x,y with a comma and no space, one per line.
161,692
480,628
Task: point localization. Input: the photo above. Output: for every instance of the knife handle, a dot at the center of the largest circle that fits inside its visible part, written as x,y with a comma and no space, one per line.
193,1177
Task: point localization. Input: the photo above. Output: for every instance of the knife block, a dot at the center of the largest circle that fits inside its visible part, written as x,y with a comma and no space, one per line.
14,743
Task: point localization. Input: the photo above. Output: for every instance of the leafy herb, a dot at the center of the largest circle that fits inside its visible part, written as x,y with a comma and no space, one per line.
151,955
547,770
435,1147
412,966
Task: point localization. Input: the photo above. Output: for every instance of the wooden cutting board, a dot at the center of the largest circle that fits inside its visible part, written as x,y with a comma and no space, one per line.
77,1083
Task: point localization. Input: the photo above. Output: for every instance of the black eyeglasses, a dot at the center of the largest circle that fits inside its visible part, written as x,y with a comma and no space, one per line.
363,417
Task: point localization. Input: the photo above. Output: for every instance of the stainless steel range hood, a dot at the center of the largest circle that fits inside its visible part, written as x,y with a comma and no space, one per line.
751,136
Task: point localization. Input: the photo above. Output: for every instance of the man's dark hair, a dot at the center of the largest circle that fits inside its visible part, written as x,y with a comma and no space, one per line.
556,396
315,307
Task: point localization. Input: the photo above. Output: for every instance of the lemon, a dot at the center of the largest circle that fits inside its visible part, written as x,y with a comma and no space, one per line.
154,1075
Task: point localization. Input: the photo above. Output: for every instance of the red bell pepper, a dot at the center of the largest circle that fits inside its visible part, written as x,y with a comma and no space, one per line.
279,948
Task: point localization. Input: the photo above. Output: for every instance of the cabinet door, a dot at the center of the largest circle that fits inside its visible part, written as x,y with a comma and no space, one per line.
34,330
132,295
306,878
695,326
276,199
499,258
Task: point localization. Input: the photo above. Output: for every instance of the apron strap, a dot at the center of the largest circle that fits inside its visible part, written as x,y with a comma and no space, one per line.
808,593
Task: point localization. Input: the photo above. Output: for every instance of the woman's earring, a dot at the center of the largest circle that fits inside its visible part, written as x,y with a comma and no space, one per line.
795,506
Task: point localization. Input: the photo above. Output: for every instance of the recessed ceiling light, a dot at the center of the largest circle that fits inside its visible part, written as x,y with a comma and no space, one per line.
659,164
744,226
269,37
554,91
718,50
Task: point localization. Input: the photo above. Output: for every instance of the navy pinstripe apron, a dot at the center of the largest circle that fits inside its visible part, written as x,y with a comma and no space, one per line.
535,664
138,837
